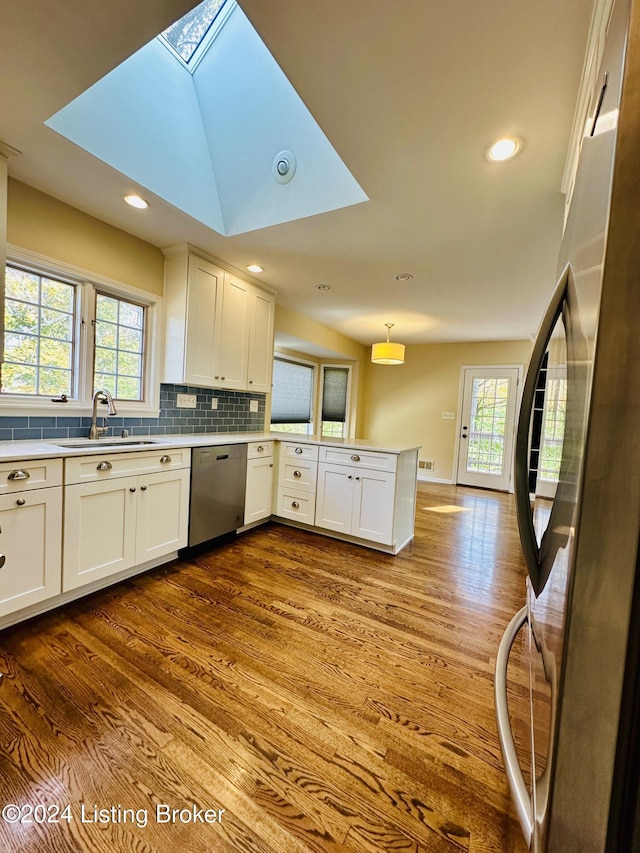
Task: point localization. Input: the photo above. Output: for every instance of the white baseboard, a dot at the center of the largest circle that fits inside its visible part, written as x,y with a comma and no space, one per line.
425,478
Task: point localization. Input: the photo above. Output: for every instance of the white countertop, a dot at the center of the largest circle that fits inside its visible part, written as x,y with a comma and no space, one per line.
14,450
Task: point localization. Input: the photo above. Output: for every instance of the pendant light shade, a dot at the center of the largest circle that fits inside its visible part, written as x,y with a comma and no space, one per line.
386,352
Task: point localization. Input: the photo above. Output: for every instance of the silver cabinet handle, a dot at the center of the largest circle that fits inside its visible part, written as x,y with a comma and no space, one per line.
165,458
3,560
355,458
297,473
259,449
295,504
515,779
538,568
19,475
143,488
21,502
298,450
104,466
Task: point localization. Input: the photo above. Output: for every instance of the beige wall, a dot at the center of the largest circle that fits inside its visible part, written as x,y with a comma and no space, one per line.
39,223
338,348
405,403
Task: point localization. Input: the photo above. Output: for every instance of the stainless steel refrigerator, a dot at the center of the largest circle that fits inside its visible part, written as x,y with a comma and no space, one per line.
581,623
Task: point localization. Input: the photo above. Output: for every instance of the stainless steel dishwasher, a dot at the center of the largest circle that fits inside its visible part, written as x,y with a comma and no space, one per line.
218,478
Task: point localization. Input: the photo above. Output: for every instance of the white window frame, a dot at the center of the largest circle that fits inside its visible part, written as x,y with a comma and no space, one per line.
347,421
314,391
87,284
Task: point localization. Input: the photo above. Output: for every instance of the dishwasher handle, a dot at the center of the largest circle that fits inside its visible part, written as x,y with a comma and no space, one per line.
517,786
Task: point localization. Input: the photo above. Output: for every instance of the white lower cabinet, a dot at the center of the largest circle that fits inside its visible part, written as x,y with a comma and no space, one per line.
113,524
258,496
30,547
356,501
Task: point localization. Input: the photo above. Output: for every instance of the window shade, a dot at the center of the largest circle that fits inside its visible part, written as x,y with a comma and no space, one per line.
334,394
292,392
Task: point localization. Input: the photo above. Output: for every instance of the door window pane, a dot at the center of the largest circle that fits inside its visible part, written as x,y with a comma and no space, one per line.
487,427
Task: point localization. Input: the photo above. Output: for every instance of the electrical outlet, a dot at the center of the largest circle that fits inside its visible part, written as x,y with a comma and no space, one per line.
214,402
186,401
253,405
448,416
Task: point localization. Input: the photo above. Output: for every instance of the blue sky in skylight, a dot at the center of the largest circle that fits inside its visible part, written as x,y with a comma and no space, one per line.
186,35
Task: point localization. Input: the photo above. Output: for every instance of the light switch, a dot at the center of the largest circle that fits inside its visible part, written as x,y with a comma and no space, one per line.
253,405
448,416
214,402
186,401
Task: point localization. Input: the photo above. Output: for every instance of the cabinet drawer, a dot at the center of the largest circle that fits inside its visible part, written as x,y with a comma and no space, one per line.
297,474
300,506
359,458
30,474
107,466
256,449
290,450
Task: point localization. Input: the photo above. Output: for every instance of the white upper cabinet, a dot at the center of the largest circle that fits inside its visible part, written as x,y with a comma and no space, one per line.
218,327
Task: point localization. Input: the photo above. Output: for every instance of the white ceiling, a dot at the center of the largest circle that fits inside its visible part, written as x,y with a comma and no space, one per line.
410,93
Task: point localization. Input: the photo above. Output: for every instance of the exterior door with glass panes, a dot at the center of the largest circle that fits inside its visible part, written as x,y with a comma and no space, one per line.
552,434
485,456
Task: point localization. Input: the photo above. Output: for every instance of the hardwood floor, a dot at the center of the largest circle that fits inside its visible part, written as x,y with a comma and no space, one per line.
326,697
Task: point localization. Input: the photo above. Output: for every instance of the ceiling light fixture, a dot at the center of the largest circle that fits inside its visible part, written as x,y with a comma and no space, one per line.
504,149
404,276
255,268
323,287
386,352
136,201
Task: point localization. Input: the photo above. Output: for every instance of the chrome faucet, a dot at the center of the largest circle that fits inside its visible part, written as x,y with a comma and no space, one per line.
105,396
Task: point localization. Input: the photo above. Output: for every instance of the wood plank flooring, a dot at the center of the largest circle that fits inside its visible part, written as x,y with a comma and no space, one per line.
313,695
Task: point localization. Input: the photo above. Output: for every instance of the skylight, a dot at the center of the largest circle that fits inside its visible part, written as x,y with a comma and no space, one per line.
187,34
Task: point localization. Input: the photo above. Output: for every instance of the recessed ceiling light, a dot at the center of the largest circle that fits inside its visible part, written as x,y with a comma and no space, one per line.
504,149
255,268
404,276
323,287
136,201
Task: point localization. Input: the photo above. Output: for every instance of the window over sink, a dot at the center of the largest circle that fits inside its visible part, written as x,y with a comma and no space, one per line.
68,333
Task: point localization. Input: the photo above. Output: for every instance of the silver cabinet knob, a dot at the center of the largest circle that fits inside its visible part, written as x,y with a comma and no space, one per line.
295,504
104,466
298,450
251,382
270,464
165,458
3,560
132,489
21,502
143,488
259,449
349,477
19,475
357,478
355,458
297,473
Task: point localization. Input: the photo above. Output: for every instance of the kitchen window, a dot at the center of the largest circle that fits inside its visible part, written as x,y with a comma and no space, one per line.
292,396
335,400
68,333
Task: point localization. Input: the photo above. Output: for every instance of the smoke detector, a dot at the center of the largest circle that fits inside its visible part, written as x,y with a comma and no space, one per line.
284,167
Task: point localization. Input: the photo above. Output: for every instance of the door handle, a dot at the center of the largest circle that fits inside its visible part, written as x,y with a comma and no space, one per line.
524,514
517,786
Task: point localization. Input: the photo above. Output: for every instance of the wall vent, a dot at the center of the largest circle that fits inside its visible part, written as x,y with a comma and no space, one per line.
427,464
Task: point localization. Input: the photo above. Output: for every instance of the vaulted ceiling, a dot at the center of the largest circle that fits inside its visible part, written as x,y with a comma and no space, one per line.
410,93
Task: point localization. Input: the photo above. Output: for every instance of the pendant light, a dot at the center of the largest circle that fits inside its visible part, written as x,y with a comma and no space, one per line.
386,352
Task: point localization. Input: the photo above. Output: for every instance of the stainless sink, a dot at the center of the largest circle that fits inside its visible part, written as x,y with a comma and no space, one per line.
99,443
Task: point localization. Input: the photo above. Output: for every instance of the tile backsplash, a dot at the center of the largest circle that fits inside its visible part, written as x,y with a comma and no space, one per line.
232,415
